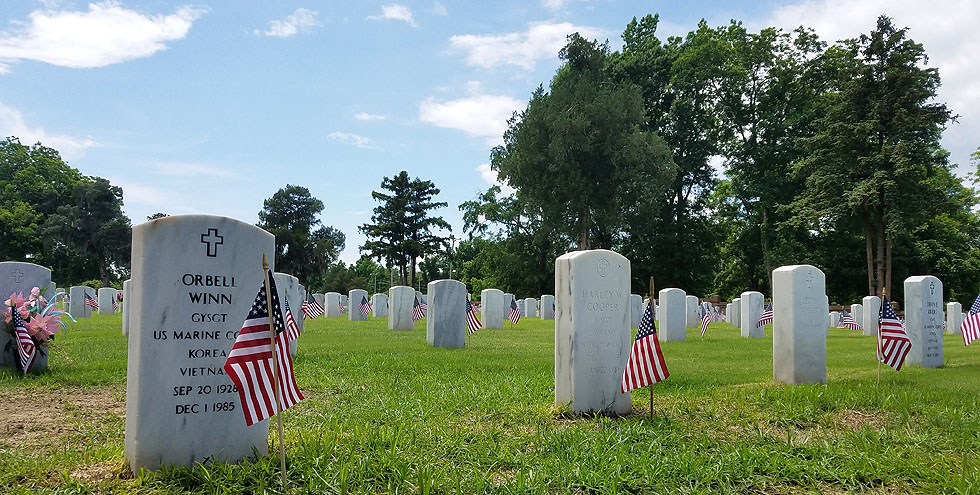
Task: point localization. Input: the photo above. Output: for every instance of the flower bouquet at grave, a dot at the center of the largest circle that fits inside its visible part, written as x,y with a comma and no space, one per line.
40,317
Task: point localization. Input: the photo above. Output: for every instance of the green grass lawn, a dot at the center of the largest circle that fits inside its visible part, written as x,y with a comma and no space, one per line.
385,413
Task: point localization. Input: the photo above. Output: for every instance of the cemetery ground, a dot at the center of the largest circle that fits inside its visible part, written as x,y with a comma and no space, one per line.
386,413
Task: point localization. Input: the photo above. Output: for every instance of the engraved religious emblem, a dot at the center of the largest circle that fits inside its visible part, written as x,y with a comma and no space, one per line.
603,267
932,288
18,275
213,240
809,279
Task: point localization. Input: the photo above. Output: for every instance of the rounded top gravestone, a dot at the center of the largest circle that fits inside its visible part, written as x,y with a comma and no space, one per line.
195,278
20,277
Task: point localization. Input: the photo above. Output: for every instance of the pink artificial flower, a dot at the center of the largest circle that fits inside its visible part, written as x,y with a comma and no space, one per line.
16,300
42,327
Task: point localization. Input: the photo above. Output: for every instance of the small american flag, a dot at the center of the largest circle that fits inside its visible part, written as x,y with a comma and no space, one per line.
342,308
893,342
515,312
971,324
848,321
91,302
115,305
646,364
472,322
765,317
292,329
705,320
418,310
249,363
311,308
26,348
365,306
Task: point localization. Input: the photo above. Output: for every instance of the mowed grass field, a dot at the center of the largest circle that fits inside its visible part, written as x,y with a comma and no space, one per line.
385,413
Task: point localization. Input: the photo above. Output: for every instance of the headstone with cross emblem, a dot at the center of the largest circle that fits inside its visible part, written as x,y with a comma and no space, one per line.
195,278
20,277
106,296
592,331
672,315
799,325
492,312
401,300
332,306
751,302
445,319
954,319
77,305
924,320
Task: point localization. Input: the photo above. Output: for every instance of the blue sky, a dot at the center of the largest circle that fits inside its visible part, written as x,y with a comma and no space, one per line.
212,107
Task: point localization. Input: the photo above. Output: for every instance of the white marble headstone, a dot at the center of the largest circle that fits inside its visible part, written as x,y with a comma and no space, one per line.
77,307
531,307
379,304
125,305
20,277
834,318
288,285
636,310
522,307
445,320
736,318
728,312
954,312
401,299
354,311
751,302
547,307
105,297
872,310
672,315
492,312
508,298
195,278
799,343
332,308
321,299
693,312
592,333
857,312
924,320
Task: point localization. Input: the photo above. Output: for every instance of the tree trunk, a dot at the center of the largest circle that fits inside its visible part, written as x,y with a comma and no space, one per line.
888,265
412,275
869,249
880,256
584,230
766,257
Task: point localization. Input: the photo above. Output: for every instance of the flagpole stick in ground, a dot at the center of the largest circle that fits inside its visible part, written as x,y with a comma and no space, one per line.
878,345
275,368
654,315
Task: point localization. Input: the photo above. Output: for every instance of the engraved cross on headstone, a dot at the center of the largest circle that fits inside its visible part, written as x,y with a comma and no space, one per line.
213,240
18,275
932,288
809,279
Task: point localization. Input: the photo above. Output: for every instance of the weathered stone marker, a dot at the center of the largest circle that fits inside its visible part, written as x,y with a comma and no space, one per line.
750,312
547,307
492,309
77,307
20,277
924,320
354,312
672,315
799,343
592,333
402,299
954,313
379,305
332,308
445,320
195,278
106,295
872,310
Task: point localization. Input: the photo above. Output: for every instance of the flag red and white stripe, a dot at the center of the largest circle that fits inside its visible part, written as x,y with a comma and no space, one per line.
765,317
311,309
292,329
418,310
646,364
893,342
472,322
971,324
91,302
515,312
705,320
847,321
26,349
365,306
249,363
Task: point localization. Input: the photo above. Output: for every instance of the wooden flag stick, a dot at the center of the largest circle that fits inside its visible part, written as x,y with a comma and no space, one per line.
878,342
654,316
275,368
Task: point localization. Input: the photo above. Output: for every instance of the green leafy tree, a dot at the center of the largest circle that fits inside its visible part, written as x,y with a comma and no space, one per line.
401,227
878,134
578,155
304,247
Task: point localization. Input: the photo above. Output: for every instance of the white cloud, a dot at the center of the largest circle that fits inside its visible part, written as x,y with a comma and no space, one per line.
300,21
477,115
369,116
945,28
489,176
106,34
439,9
12,124
351,139
541,41
183,169
395,12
